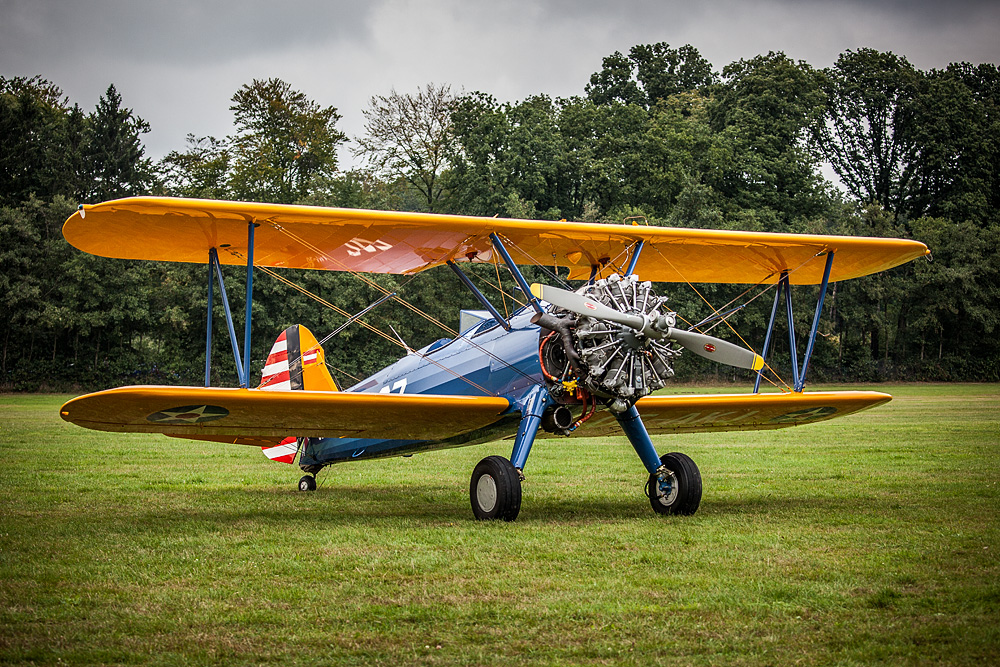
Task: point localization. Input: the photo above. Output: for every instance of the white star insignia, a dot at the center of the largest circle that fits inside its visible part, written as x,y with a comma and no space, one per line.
188,414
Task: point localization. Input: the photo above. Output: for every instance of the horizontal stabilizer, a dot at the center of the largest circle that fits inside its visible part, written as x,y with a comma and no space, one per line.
284,452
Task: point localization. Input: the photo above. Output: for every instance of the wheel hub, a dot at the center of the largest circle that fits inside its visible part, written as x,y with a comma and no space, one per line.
486,493
666,488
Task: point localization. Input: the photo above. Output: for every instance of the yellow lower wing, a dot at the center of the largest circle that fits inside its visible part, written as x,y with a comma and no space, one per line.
210,413
737,412
252,417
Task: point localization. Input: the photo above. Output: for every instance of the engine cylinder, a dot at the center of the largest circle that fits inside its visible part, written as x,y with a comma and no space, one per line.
616,362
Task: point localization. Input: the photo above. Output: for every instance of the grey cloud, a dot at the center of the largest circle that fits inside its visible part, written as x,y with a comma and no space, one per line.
177,63
182,31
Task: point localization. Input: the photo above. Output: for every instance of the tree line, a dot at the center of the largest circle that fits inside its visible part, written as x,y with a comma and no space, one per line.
657,136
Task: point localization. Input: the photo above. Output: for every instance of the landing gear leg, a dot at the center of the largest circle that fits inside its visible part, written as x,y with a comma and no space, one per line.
308,481
531,418
674,485
495,489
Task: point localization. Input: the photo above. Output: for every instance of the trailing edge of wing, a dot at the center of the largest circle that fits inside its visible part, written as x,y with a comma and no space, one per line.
249,416
184,230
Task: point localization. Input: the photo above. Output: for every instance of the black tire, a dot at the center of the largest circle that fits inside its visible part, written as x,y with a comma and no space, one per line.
684,494
495,490
307,483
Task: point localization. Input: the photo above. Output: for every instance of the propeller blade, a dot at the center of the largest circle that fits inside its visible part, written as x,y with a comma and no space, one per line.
582,305
716,349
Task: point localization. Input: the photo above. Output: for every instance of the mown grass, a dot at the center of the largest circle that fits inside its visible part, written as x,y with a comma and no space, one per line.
871,539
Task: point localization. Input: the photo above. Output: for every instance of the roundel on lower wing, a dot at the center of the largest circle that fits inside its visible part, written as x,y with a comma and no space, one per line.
806,415
188,414
709,347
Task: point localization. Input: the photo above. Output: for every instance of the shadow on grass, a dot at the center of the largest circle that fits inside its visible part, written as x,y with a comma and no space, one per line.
419,507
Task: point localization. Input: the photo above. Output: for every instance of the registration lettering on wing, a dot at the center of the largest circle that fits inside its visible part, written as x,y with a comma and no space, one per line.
356,246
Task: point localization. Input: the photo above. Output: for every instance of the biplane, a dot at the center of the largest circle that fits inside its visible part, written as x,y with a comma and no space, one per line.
568,362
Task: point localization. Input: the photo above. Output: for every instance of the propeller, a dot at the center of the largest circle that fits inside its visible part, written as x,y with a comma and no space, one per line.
702,345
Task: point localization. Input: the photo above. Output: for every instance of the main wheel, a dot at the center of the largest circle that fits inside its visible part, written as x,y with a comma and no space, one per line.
495,490
679,493
307,483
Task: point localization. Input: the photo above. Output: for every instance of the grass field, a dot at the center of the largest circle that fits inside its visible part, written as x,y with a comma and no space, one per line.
873,539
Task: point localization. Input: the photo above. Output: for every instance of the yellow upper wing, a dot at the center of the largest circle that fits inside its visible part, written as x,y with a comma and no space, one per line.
184,230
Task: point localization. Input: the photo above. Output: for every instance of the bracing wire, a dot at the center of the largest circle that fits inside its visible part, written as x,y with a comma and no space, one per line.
360,276
726,319
499,287
386,336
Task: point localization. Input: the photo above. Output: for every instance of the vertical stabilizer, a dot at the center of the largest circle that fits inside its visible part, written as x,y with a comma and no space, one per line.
296,362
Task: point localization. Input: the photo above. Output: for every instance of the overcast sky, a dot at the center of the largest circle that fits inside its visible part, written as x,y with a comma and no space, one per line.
178,63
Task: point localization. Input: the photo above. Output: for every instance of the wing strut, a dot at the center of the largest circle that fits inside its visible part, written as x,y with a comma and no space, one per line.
213,260
635,258
208,319
521,282
815,324
214,266
785,288
479,295
246,332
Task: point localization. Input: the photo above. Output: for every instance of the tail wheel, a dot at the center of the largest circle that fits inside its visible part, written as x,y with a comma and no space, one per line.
307,483
495,490
678,491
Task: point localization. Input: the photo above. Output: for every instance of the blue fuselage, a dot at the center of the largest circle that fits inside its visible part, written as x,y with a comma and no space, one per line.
485,360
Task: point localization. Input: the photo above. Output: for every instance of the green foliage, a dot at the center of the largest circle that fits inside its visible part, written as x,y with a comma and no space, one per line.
113,153
765,108
650,73
953,300
49,149
658,136
409,138
915,143
36,128
953,121
513,155
283,142
202,171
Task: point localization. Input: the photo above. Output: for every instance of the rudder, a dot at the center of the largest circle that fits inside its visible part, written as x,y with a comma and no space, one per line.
296,362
